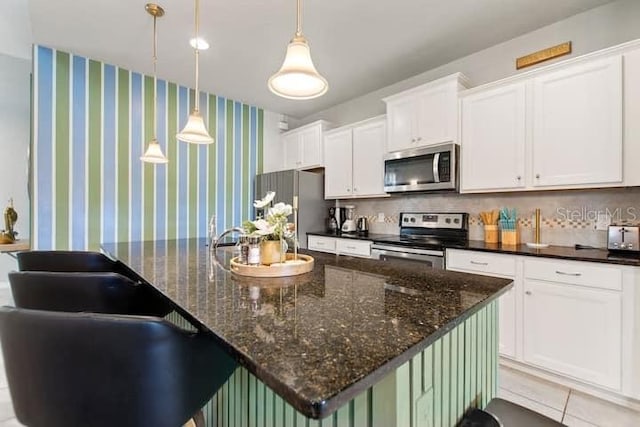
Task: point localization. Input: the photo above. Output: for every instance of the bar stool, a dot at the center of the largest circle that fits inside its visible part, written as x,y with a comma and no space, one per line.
90,369
502,413
94,262
92,292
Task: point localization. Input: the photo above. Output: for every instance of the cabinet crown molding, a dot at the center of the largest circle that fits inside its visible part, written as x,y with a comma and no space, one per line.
619,49
459,78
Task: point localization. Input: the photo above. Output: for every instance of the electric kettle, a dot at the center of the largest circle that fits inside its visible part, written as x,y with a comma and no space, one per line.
363,225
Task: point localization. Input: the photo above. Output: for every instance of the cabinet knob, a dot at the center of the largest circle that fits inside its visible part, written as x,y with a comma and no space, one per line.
527,292
348,190
355,190
537,176
519,177
413,140
419,138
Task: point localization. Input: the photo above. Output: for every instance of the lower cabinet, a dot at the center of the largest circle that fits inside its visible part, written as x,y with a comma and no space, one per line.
576,321
573,330
493,265
340,246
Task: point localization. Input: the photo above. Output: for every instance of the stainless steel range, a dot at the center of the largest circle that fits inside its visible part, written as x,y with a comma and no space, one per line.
423,238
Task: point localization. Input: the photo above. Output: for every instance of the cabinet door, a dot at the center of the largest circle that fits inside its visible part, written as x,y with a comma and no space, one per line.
368,159
436,116
311,147
291,151
577,125
401,116
337,168
574,331
493,139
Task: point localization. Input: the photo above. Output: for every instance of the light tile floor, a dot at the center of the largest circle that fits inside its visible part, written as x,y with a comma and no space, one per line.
561,403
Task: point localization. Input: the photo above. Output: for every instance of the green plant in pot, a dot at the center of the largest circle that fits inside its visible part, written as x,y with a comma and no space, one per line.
274,229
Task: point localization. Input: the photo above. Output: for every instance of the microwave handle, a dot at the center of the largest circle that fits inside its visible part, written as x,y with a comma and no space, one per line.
436,168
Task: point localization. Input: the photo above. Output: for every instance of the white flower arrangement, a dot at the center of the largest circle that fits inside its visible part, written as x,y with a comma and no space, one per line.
274,226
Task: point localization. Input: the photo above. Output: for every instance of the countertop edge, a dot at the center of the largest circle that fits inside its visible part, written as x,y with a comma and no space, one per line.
597,255
338,400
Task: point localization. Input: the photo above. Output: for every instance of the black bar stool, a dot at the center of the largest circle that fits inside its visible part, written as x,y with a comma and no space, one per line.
502,413
91,292
93,262
88,369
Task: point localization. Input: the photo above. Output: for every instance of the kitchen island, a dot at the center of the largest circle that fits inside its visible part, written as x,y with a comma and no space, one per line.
356,341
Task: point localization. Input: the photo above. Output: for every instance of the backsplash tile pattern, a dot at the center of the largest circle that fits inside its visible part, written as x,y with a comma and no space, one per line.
92,122
568,217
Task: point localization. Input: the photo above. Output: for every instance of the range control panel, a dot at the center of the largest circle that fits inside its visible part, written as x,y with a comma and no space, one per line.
433,220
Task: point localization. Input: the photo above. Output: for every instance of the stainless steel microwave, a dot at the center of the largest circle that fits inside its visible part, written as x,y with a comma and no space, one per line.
422,169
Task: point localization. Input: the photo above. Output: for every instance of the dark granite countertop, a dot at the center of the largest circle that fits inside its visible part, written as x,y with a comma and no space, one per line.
559,252
317,339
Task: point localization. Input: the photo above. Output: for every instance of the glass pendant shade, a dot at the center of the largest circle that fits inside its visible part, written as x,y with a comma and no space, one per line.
195,132
298,77
154,153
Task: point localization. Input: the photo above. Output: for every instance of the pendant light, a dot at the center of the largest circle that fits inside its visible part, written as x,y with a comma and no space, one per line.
298,78
154,152
195,131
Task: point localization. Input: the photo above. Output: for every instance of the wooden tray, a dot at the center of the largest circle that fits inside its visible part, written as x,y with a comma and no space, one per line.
288,268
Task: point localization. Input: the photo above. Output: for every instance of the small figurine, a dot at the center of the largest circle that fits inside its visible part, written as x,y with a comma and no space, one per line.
8,235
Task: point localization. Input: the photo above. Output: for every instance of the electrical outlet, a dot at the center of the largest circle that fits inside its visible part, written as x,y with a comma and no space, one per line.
603,222
380,216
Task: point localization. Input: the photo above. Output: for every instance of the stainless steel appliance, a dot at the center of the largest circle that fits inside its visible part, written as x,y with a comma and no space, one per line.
423,238
349,225
332,222
422,169
624,238
308,186
363,225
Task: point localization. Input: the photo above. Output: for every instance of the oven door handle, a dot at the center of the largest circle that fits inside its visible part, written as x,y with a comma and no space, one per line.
377,254
394,250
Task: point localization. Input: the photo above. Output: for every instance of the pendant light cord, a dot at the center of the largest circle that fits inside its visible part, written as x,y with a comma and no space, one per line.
155,77
298,18
197,43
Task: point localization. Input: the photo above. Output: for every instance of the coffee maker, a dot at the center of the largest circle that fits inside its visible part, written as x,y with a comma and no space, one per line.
332,221
337,217
349,224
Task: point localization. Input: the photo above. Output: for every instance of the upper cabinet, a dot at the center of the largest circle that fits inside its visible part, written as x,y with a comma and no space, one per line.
554,128
303,146
354,160
424,115
577,125
493,128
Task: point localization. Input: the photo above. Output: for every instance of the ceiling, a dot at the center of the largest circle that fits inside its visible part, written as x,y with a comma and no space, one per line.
358,45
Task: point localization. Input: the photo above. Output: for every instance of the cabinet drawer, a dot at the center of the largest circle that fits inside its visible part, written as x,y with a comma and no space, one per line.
480,262
322,244
353,247
575,273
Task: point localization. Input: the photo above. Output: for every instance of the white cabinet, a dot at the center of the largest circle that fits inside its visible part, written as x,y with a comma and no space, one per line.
361,248
321,243
631,133
493,136
573,322
303,148
424,115
577,124
553,128
340,246
354,160
493,265
573,325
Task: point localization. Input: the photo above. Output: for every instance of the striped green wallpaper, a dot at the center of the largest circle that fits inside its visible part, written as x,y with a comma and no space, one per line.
92,122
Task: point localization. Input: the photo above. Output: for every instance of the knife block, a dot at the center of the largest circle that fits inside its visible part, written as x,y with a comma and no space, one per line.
511,237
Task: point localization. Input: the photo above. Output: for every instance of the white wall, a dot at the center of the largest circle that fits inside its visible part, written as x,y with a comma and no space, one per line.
273,150
14,145
595,29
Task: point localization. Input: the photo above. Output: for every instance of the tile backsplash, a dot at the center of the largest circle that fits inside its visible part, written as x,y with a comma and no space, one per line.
568,217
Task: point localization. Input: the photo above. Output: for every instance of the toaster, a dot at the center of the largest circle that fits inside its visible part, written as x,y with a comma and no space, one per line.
624,237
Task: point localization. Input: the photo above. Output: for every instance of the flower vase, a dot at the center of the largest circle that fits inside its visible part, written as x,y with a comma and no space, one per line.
271,251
